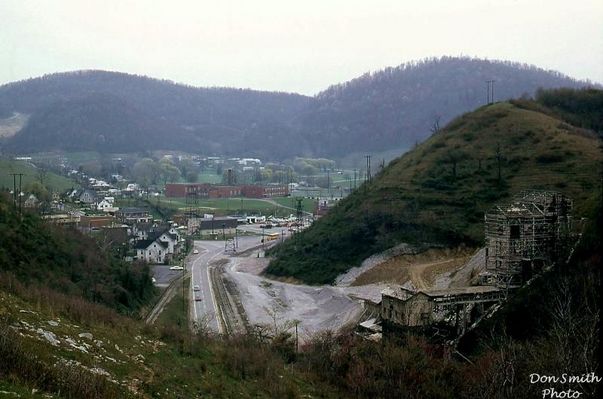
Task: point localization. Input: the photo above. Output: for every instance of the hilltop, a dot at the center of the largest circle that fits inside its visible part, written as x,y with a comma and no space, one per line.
438,192
389,109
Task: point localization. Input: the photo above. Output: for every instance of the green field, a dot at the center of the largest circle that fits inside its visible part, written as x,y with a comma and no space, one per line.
30,173
229,206
308,204
209,176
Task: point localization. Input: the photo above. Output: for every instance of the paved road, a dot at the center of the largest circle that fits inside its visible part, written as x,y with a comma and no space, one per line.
204,311
164,275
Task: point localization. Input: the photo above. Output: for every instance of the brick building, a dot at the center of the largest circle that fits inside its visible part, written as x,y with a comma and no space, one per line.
205,190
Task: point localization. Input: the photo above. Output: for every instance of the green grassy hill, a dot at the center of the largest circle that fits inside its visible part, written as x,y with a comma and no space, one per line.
438,192
30,174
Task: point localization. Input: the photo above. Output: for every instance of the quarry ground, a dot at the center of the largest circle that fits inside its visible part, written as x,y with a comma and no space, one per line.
278,305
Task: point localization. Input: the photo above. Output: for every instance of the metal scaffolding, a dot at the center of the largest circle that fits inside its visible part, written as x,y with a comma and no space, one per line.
526,235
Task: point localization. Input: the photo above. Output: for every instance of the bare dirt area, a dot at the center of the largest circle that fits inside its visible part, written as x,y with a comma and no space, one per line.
10,126
278,304
269,302
420,269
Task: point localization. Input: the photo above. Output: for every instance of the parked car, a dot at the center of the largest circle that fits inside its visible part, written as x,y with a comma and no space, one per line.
195,251
176,268
196,288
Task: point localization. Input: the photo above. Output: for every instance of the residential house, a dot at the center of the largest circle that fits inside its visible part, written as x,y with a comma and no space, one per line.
31,202
107,205
86,196
151,251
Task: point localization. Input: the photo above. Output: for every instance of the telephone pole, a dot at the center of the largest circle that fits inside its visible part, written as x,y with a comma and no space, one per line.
490,92
17,195
368,168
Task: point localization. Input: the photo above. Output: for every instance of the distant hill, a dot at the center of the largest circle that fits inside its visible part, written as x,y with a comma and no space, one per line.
116,112
438,192
392,108
397,107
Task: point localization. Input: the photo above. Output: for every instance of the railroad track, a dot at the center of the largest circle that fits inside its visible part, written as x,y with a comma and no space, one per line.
228,315
166,296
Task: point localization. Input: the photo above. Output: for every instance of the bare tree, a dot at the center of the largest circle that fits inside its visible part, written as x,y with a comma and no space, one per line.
435,126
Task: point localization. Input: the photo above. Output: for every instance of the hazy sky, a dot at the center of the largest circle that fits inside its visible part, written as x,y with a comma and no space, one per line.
302,46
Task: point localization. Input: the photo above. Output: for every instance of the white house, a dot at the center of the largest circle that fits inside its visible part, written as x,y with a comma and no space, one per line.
152,251
106,206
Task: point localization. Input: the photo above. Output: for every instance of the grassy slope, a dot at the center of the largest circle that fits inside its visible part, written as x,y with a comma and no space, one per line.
127,357
67,261
53,181
417,198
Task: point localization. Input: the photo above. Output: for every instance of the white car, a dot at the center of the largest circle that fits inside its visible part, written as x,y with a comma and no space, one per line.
195,251
196,288
176,268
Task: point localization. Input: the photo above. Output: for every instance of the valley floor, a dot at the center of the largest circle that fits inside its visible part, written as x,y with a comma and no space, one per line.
253,299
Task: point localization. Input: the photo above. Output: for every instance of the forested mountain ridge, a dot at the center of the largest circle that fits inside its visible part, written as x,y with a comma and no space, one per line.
438,192
392,108
109,111
397,107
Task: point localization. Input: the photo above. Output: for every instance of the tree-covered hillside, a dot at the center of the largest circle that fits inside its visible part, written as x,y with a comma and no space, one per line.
438,192
396,107
66,261
108,111
389,109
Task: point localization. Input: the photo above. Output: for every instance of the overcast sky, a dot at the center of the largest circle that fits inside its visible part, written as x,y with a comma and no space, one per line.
299,46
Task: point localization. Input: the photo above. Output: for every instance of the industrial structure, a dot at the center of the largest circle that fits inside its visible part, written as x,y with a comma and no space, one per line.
450,310
525,236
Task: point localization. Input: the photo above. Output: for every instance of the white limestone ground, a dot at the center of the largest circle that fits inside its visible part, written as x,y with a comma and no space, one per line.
268,301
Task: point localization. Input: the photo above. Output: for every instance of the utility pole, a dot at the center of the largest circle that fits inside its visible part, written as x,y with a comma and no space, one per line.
368,168
17,195
300,213
490,92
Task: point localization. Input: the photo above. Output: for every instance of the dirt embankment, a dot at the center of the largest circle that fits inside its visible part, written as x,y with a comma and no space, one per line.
420,269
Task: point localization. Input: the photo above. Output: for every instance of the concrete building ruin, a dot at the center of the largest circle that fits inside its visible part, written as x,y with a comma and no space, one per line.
526,235
452,309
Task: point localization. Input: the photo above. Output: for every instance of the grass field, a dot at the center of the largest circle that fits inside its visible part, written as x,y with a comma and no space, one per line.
209,176
230,206
308,204
30,173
